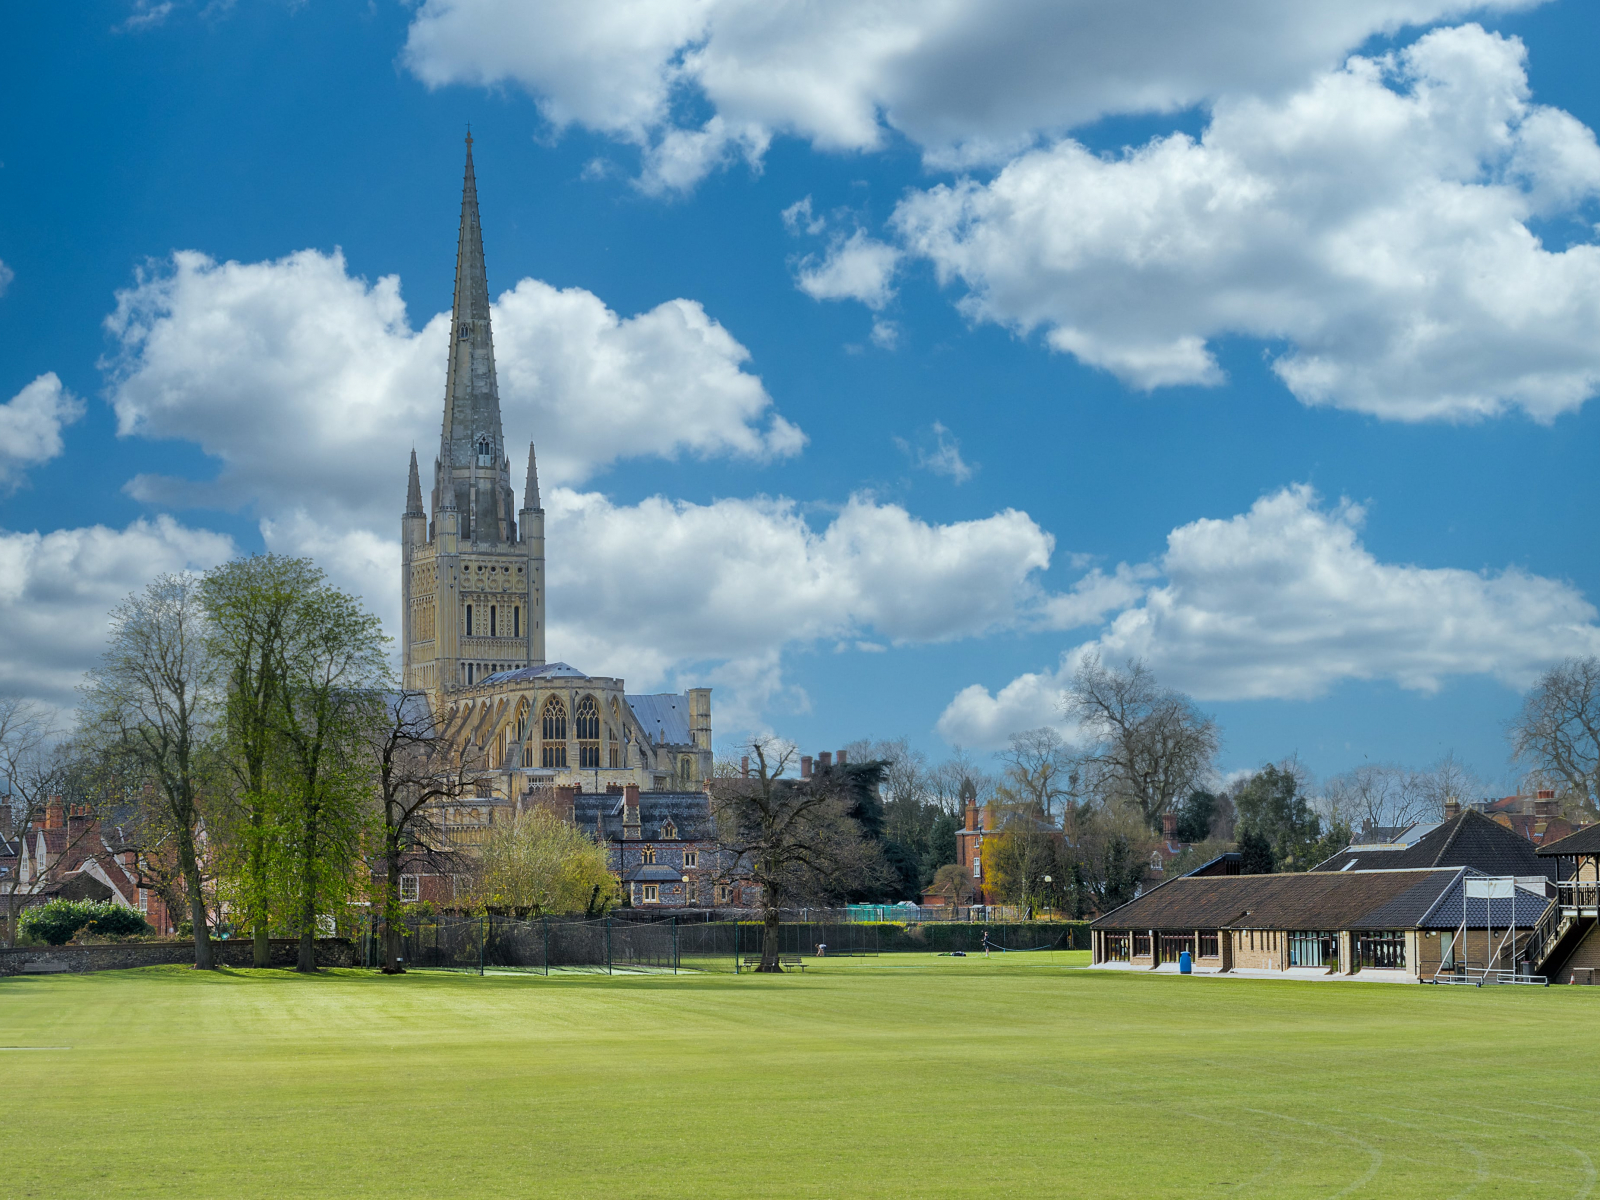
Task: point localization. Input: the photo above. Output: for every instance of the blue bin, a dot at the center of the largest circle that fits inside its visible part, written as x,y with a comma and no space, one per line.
1185,963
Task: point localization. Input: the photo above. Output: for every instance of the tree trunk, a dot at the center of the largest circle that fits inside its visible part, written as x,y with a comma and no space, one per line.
197,902
259,931
391,932
308,911
769,943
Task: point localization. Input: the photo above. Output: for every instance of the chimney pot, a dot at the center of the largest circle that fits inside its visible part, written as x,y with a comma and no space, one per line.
839,758
825,759
55,816
805,766
1452,809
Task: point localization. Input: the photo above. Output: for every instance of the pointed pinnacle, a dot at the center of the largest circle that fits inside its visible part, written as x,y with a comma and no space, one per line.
414,489
530,492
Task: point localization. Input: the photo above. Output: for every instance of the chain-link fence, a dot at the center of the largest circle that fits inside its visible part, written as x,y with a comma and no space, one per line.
616,945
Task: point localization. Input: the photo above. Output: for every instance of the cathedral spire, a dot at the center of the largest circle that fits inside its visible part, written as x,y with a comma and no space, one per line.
414,488
530,490
472,445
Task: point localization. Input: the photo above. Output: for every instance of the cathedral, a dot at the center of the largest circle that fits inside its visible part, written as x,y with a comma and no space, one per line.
473,603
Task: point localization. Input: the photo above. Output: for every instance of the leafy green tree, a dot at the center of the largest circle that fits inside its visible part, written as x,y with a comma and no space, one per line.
332,678
1256,856
1271,805
256,608
1195,815
538,864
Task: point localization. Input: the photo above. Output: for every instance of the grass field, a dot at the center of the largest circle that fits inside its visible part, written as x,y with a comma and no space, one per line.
901,1076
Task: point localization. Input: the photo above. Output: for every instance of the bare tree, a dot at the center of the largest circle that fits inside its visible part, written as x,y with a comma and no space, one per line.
153,701
419,767
793,839
1447,781
1151,744
1038,771
34,767
1558,730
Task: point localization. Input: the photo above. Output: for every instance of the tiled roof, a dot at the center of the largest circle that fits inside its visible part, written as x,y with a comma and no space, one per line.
1469,840
1497,913
1308,901
689,813
652,874
1585,841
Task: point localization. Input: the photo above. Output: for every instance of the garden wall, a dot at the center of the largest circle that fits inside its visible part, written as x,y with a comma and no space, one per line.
45,960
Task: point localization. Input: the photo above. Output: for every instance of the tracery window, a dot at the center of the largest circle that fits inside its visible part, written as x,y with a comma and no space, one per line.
588,731
648,856
555,733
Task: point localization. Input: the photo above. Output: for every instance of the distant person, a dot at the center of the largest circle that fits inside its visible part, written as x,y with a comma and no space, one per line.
986,943
822,949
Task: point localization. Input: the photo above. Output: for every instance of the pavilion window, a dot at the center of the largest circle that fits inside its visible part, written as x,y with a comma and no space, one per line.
1174,944
1141,945
1382,949
588,730
1208,944
1117,947
1313,948
554,750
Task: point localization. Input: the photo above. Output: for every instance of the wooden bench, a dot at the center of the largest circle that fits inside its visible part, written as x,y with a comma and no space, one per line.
784,960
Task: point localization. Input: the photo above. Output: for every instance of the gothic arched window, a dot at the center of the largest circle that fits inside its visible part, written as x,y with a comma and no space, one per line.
555,733
588,731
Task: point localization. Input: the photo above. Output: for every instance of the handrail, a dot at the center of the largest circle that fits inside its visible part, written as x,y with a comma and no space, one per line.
1578,893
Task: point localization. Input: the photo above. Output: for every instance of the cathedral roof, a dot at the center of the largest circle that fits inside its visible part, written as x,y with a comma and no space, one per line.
664,717
556,670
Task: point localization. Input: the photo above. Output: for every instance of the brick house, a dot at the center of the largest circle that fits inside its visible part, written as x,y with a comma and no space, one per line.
70,856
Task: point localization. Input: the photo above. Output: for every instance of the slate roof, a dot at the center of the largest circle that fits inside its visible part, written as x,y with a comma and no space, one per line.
1469,840
652,874
689,813
664,717
1310,901
1585,841
1447,914
555,670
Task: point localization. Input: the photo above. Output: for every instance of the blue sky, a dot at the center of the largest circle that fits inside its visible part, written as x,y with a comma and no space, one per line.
1315,376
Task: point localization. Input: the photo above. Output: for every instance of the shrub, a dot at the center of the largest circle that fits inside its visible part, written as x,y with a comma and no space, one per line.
61,920
115,921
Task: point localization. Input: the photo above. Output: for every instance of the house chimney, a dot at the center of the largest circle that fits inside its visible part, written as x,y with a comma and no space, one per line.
566,802
630,812
805,766
1452,809
825,759
1169,826
839,758
970,815
1546,808
744,767
55,816
79,822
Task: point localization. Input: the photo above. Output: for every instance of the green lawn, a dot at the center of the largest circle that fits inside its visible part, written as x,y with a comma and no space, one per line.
901,1076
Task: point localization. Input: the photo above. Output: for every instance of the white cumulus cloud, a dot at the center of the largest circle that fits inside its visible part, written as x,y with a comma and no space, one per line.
1284,602
857,267
56,590
1376,222
31,424
965,80
303,380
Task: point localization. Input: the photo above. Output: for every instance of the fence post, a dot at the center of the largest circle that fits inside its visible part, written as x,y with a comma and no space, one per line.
608,946
674,943
482,929
736,945
546,921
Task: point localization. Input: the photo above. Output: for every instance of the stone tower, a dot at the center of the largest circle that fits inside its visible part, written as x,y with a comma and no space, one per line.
472,564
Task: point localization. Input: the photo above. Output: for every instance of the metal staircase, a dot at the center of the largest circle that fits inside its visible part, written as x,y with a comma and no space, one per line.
1576,909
